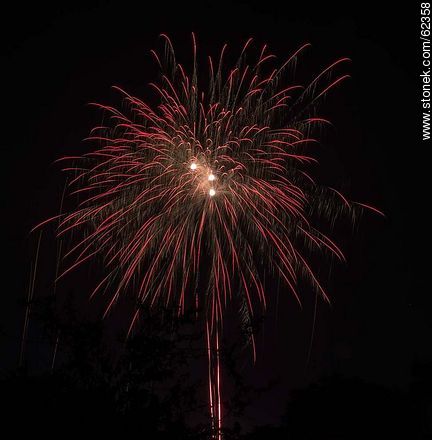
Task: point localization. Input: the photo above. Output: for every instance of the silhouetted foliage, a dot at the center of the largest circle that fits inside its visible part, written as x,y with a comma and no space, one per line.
153,385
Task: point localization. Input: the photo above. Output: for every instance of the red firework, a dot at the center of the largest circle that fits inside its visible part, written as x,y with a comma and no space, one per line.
215,178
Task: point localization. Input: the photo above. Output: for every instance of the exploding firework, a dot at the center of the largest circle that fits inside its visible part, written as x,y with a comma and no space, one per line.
213,182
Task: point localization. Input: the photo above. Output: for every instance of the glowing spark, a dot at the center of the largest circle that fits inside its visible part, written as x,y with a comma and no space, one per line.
193,166
211,177
212,192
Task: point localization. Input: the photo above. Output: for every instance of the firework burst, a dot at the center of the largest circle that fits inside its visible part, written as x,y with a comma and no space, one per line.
215,179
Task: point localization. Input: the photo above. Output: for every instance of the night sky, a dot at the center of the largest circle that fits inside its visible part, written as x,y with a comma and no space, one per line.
377,331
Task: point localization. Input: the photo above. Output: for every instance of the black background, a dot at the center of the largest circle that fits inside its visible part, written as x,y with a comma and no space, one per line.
56,59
